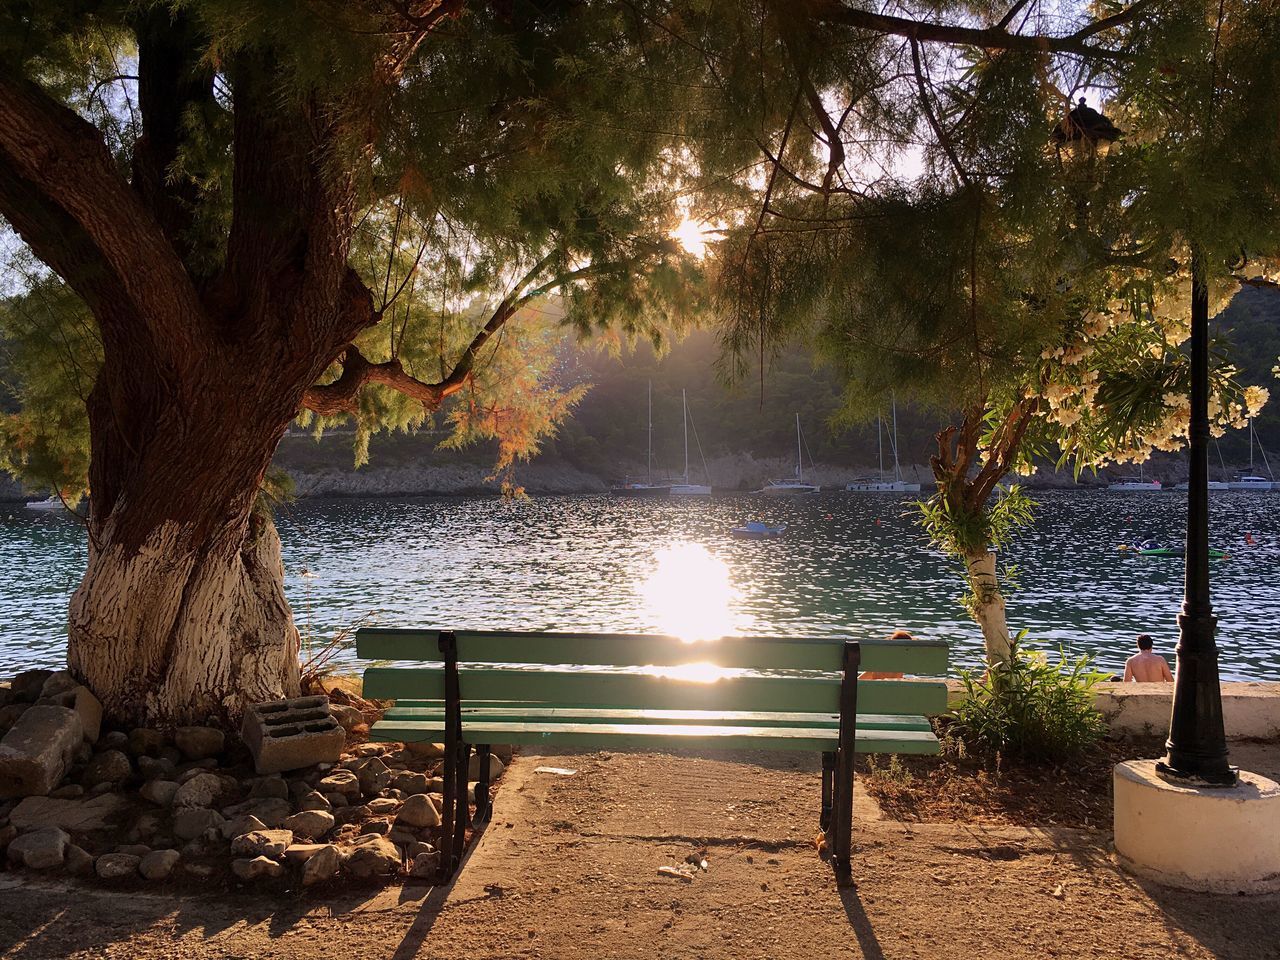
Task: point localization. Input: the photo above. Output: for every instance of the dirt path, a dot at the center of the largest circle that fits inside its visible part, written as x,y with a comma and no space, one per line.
568,869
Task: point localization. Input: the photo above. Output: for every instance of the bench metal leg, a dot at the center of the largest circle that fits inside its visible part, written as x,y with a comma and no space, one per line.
460,821
483,809
842,843
449,813
828,776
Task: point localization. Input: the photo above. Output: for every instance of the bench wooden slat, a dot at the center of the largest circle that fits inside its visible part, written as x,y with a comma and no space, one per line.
545,713
649,735
920,657
645,691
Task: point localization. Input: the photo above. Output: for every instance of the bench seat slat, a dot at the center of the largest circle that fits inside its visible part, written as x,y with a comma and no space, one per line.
546,713
648,735
920,657
809,694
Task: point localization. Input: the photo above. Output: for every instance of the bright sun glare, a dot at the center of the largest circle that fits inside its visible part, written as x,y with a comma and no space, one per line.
692,236
690,594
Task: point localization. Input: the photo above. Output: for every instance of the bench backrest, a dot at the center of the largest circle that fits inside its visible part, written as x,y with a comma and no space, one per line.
588,670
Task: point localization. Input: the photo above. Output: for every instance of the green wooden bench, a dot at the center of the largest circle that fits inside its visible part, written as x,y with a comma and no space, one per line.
803,695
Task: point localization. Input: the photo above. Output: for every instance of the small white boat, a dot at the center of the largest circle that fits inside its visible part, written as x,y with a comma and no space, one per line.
1135,485
646,489
758,530
50,503
897,484
791,486
1218,485
684,488
1251,483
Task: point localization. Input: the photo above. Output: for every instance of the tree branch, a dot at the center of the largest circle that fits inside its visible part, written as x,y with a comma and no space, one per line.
62,182
990,38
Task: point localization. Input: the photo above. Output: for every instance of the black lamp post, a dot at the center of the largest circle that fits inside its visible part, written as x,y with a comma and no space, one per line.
1197,744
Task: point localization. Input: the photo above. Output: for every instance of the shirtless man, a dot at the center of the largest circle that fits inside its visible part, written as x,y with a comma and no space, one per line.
1145,666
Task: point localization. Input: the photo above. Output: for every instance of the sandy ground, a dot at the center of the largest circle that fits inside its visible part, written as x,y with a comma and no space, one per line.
568,869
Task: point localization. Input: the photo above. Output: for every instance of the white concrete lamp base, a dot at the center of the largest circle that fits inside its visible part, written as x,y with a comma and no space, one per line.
1220,840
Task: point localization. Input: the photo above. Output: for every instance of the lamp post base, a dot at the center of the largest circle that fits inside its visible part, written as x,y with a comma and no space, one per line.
1222,779
1198,837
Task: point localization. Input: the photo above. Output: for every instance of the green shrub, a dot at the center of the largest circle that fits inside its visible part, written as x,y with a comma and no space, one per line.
1030,708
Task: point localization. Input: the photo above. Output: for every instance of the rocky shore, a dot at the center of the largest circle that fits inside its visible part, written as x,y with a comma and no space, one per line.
184,804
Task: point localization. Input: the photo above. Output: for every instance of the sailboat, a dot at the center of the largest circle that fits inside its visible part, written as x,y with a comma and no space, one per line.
1138,484
684,488
792,486
897,484
646,488
1212,485
52,502
1251,481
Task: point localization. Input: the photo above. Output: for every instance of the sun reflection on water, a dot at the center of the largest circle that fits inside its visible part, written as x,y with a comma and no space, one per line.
690,593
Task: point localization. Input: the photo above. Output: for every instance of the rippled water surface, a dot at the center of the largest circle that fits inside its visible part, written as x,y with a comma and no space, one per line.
849,565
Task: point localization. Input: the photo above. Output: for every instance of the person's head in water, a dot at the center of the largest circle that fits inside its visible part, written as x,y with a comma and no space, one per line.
901,634
1145,642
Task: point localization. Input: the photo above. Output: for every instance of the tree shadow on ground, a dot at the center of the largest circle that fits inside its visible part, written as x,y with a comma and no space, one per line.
1254,930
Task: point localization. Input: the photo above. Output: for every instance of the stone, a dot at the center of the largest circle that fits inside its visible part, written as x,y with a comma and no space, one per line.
157,768
201,870
79,816
418,846
147,825
89,708
159,792
346,715
190,823
428,751
321,865
241,825
262,843
146,741
372,774
114,740
9,715
402,836
291,734
158,864
109,766
58,682
411,783
67,792
272,811
78,862
371,856
200,791
302,852
341,781
378,826
312,824
367,749
350,814
27,685
383,806
314,801
426,864
7,833
419,811
40,849
270,788
114,866
496,767
256,868
199,743
337,800
37,751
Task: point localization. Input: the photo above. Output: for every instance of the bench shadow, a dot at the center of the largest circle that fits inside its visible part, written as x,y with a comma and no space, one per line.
856,914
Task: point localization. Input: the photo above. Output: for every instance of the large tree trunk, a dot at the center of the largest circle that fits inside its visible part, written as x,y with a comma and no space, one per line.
987,605
182,628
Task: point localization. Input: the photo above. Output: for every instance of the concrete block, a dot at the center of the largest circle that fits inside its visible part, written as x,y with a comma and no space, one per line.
1220,840
290,734
37,752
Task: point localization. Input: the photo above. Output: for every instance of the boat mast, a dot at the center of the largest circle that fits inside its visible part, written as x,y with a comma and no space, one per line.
880,442
897,470
684,402
1251,446
649,466
799,459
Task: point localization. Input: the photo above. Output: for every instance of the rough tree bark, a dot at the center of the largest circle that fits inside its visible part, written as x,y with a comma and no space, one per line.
181,615
964,493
